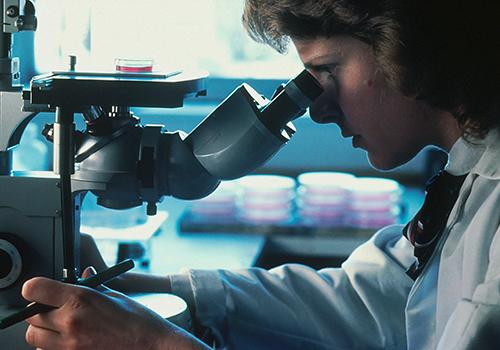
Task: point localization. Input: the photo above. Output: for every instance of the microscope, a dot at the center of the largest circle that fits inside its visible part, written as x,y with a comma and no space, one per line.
122,162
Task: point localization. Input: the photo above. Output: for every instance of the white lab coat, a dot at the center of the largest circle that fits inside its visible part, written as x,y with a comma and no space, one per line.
370,302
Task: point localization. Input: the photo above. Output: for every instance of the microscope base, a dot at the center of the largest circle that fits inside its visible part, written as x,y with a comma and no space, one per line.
31,241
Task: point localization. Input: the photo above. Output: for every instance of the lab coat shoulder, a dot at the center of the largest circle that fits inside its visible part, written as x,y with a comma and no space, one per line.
358,306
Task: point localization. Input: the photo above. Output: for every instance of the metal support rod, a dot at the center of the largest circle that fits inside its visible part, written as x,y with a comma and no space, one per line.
5,162
5,45
64,166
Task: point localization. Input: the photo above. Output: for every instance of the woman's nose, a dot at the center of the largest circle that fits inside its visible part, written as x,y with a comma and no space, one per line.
325,110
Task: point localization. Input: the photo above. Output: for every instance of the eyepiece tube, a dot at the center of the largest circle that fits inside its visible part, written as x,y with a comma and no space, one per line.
297,95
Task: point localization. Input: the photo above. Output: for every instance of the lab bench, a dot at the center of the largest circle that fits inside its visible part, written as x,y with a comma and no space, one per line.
172,250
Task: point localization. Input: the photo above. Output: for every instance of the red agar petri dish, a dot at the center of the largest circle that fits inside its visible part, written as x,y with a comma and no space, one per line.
133,65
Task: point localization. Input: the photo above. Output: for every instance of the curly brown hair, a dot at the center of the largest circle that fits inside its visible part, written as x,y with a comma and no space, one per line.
444,52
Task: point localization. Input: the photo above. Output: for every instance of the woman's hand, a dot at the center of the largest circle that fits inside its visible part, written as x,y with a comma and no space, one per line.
129,282
85,318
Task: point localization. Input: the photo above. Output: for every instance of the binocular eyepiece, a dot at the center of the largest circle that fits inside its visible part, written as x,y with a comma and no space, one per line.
246,129
290,101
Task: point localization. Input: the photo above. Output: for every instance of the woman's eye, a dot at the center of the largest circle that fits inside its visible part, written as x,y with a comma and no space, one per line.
327,73
333,70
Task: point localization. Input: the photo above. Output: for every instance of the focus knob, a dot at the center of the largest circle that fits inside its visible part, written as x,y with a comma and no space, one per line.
5,264
11,263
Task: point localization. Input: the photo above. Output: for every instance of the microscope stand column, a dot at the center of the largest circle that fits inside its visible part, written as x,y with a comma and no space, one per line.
64,166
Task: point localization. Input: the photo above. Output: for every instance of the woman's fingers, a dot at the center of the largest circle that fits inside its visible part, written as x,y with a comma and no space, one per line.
91,271
43,338
46,291
45,320
88,272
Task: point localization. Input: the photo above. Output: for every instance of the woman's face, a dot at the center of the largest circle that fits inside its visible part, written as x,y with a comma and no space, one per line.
389,126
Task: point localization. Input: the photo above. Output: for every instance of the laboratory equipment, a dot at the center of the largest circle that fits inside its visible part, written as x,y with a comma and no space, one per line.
322,199
265,199
220,205
373,202
116,158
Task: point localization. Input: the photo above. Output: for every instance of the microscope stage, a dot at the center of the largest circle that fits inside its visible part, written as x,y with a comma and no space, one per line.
116,89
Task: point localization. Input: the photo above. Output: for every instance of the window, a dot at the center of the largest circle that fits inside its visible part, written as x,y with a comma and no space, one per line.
188,34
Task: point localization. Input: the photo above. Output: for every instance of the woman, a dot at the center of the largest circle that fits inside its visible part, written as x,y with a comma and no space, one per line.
398,76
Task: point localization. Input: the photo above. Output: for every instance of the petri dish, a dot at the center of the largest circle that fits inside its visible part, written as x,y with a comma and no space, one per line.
324,181
128,65
266,183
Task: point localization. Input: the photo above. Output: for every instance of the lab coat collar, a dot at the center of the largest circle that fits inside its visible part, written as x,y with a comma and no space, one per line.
477,156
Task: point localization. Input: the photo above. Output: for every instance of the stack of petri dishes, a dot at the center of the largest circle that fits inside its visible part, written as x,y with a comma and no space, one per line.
220,205
265,199
373,202
322,198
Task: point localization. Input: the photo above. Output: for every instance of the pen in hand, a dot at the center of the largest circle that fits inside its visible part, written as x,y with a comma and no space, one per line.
91,282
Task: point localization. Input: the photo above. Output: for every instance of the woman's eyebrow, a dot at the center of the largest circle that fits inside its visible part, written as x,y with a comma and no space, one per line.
321,66
321,61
